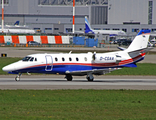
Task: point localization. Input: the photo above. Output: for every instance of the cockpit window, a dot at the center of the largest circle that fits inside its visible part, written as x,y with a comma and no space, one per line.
31,59
26,59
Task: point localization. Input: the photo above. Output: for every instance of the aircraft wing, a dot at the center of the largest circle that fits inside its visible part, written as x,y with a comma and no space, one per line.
93,71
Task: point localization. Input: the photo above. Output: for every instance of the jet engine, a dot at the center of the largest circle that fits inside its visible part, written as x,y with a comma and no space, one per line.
99,58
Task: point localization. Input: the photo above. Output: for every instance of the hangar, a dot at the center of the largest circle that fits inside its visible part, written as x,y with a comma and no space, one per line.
53,16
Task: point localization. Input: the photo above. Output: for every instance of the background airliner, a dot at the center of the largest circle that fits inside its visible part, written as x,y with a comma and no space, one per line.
16,28
88,64
88,29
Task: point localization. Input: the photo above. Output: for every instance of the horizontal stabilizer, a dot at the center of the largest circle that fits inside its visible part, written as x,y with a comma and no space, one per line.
145,50
121,48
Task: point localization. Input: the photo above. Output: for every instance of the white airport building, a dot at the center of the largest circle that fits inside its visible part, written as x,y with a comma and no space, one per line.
53,16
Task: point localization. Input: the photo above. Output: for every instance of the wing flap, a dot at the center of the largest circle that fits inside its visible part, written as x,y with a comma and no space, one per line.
94,71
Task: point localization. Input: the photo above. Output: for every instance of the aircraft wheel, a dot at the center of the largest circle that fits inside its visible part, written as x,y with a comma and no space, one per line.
90,79
69,77
17,78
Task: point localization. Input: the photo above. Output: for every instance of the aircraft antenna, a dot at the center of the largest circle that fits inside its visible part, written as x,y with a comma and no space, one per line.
70,52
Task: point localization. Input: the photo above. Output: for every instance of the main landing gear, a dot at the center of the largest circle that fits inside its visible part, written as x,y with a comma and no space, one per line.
17,78
69,77
90,77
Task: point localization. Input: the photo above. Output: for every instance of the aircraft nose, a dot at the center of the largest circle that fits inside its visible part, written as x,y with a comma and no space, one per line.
8,68
5,68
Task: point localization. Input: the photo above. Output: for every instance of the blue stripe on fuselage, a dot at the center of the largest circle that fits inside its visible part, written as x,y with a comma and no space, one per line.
61,69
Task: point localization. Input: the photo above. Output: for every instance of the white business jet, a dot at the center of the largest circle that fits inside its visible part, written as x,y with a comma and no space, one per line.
88,64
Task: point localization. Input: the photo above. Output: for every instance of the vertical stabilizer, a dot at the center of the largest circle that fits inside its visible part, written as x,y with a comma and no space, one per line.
87,26
16,23
140,41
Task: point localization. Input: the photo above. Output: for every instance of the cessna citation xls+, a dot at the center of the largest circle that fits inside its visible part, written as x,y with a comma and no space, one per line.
88,64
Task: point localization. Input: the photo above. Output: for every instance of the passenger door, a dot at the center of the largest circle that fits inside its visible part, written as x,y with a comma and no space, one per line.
49,63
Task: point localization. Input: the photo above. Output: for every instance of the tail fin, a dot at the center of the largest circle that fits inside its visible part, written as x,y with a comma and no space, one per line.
140,41
16,23
87,26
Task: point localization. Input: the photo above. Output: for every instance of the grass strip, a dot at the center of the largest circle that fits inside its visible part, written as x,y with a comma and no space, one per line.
77,104
141,69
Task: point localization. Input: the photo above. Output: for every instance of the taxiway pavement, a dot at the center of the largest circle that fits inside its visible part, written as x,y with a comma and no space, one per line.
58,81
52,82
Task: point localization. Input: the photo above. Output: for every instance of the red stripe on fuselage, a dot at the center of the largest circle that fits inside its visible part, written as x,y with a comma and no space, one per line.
95,64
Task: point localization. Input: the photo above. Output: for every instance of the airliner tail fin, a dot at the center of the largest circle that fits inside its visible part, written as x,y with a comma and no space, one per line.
88,28
16,23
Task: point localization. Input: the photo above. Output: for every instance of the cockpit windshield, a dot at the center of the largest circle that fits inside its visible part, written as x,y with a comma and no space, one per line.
26,59
29,59
32,59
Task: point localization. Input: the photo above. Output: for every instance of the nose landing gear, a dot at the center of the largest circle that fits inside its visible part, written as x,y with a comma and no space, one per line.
17,78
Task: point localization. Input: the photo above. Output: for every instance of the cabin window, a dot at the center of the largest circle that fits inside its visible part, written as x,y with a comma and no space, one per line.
56,59
85,58
70,59
77,59
63,59
35,59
